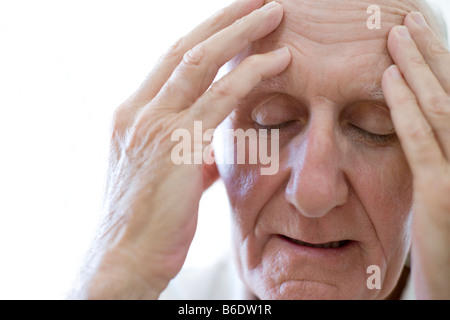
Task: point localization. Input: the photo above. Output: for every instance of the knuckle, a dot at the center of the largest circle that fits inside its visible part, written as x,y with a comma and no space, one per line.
175,50
436,50
120,126
194,56
419,130
120,118
145,128
221,89
406,99
417,61
238,23
439,105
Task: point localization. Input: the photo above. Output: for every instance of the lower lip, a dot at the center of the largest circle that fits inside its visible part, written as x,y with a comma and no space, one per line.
312,252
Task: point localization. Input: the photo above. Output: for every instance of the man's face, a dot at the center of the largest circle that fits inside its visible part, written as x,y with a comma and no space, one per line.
343,181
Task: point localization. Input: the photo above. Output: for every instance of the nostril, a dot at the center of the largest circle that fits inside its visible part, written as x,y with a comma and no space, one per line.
309,212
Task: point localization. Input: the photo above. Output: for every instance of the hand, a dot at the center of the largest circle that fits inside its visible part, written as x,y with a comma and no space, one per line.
417,91
152,204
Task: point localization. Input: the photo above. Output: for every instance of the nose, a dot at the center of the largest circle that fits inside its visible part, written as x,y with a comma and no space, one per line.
317,183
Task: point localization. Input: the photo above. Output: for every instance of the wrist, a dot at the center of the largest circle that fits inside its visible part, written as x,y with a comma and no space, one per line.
118,287
111,280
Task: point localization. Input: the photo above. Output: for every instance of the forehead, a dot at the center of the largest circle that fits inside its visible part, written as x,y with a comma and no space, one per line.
335,21
334,54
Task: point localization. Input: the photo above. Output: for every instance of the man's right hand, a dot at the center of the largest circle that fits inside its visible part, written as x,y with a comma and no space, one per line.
151,203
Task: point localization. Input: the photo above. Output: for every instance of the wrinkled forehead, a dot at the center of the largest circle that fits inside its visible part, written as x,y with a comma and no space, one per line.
337,23
332,22
330,40
342,21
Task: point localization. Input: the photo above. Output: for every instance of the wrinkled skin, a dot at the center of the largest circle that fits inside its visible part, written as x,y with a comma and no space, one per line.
333,183
343,173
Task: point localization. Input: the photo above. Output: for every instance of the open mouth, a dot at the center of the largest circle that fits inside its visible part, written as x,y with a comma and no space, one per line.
327,245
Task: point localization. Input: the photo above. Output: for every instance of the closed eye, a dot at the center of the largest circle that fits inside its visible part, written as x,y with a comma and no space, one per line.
278,126
380,139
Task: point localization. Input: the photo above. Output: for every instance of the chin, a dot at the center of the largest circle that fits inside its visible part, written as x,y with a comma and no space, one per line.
314,290
304,290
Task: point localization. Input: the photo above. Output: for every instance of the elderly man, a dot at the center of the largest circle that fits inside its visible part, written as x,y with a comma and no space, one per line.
362,118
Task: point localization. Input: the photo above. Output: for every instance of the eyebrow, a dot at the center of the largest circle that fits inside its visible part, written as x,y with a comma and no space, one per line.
377,94
373,92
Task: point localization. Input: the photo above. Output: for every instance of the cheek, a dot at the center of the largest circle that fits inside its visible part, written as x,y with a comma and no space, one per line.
240,180
382,181
248,191
245,161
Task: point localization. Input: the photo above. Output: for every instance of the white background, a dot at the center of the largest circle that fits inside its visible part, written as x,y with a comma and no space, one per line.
64,67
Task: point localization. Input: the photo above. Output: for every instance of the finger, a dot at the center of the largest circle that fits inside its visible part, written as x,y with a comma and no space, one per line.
415,134
431,47
200,65
224,95
433,100
168,62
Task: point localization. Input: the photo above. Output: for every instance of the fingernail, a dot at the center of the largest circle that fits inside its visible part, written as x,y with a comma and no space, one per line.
403,32
269,6
419,19
394,72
